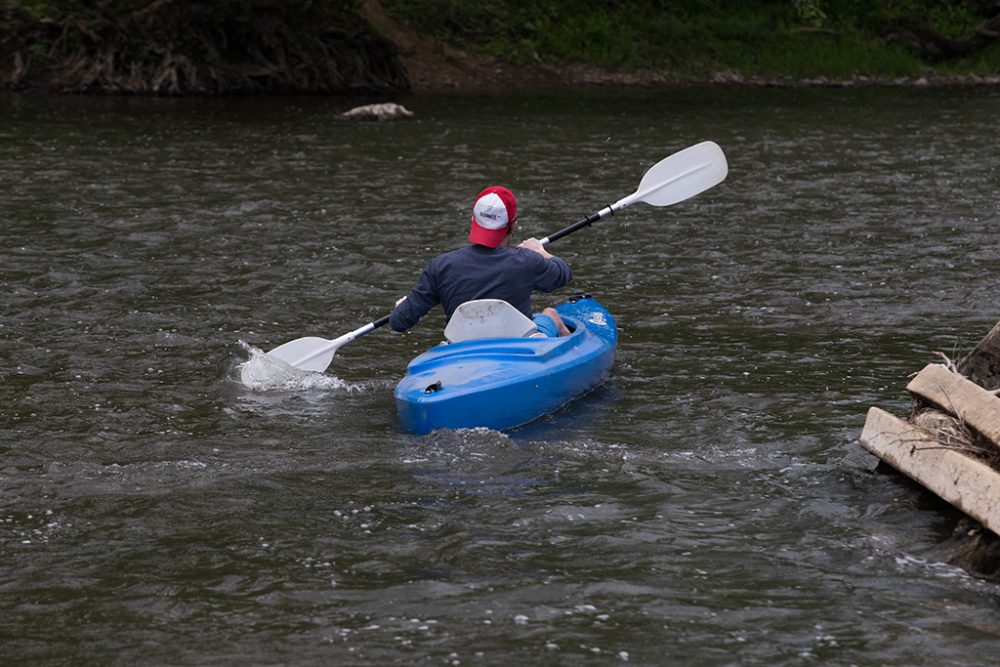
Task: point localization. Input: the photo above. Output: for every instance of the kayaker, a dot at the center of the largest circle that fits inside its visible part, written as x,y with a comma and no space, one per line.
488,269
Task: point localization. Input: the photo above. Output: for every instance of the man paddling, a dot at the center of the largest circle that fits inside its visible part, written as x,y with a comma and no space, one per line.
488,269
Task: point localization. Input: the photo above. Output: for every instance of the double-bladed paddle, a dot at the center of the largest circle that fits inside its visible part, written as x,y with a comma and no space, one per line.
671,180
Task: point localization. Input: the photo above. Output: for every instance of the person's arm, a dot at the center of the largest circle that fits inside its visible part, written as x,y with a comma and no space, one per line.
553,272
414,305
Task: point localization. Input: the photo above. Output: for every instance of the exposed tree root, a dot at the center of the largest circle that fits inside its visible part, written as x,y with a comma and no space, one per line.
177,48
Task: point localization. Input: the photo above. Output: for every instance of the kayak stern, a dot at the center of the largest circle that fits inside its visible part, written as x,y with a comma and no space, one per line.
501,383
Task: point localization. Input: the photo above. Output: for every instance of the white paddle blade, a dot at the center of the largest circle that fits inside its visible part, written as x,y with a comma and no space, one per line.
682,175
308,354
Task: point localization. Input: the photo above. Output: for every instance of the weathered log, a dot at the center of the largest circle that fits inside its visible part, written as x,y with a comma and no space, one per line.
954,394
982,365
968,484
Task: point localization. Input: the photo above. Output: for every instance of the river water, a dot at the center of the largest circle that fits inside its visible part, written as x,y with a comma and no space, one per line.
709,505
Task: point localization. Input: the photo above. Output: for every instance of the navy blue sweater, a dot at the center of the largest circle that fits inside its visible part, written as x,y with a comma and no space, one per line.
478,272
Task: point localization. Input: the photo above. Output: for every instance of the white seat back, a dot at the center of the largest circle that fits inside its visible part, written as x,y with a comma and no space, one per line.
487,318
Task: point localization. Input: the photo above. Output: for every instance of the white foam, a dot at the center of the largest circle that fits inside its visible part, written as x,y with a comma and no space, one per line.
262,372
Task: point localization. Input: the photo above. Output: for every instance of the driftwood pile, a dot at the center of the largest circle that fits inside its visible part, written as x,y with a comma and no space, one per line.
950,444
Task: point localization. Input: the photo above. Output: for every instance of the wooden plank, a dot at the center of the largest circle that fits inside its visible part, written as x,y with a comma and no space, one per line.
966,483
952,393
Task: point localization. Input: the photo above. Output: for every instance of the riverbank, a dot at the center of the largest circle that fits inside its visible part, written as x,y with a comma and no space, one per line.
170,48
441,76
385,47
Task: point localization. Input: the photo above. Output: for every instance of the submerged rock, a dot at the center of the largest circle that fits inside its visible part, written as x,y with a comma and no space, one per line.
384,111
973,548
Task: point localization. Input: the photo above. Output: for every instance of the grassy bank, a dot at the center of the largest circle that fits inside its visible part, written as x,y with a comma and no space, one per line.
696,38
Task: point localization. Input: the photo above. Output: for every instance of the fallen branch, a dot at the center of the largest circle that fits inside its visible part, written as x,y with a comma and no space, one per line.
932,45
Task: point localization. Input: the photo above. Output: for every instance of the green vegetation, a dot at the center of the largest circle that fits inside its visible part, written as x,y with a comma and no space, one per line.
789,38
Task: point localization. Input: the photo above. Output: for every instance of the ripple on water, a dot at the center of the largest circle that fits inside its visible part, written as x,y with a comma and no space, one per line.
699,505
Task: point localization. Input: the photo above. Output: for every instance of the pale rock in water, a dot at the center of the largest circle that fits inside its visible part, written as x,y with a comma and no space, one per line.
384,111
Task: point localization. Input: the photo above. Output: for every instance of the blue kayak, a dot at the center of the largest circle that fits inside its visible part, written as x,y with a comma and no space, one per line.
500,383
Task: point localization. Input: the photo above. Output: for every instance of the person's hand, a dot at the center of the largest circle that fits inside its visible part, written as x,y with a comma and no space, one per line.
399,301
534,245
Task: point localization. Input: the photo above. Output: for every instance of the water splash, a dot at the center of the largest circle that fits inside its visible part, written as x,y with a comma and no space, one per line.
262,372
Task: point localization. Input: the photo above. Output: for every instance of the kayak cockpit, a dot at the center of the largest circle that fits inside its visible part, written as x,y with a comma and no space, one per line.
531,349
488,318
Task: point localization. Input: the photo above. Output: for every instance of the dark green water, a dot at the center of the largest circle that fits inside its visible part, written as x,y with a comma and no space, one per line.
709,505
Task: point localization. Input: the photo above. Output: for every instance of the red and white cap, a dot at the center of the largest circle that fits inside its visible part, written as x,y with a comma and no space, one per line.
493,213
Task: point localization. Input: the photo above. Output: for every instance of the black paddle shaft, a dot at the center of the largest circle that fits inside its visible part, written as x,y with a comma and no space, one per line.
579,224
